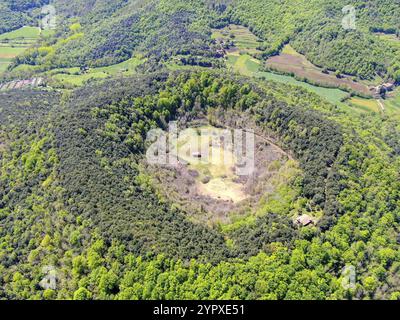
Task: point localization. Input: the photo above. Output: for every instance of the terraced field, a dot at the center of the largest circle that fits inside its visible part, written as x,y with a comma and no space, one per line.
14,43
242,38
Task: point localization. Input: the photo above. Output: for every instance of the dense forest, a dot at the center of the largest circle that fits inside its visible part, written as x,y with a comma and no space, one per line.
16,14
74,197
79,205
180,30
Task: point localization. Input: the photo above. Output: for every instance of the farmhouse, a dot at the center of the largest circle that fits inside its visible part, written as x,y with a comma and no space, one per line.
389,86
381,90
304,220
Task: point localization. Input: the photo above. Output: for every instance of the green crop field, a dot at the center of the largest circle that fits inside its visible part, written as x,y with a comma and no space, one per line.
14,43
243,63
22,33
246,65
74,77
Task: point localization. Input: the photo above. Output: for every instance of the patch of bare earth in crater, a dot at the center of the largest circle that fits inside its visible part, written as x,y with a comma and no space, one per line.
210,192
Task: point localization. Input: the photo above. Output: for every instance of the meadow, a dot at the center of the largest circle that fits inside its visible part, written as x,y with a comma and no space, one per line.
291,62
75,77
16,42
212,161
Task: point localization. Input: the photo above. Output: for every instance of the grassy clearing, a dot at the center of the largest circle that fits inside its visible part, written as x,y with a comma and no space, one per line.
216,165
391,38
16,42
365,105
243,64
242,38
24,33
74,76
392,104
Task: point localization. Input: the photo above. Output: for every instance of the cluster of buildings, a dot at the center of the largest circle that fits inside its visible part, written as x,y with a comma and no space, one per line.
381,90
223,45
19,84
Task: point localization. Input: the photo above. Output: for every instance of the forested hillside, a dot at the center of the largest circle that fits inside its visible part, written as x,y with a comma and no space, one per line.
79,201
16,14
74,196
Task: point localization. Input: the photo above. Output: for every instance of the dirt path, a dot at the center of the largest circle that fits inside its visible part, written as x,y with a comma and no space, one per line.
381,105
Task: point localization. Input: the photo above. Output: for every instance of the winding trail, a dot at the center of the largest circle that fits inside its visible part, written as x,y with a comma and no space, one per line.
381,105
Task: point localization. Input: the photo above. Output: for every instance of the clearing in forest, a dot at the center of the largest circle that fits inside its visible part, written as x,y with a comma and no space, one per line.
76,77
367,105
14,43
212,162
237,39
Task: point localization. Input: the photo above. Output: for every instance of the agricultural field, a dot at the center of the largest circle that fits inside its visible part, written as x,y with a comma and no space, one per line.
76,77
366,105
240,59
243,64
392,103
14,43
391,38
241,39
291,62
